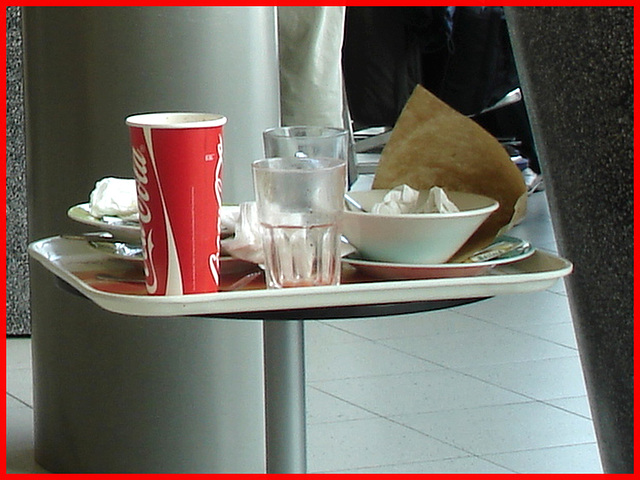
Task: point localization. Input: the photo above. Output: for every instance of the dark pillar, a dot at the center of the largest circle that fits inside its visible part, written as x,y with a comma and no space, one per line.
576,69
18,310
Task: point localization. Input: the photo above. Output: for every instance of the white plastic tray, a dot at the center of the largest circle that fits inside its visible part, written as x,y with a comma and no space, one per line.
69,259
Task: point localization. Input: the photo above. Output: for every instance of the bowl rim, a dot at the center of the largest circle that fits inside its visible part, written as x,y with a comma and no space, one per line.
464,213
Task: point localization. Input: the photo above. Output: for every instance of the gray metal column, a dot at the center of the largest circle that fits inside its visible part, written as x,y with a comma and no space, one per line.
128,394
576,69
285,396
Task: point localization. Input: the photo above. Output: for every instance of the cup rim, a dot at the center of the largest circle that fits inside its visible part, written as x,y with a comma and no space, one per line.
325,131
176,120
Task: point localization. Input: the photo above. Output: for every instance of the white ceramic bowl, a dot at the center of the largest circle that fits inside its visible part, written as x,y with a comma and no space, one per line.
422,238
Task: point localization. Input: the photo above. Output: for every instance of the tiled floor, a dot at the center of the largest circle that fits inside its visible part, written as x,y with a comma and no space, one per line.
490,387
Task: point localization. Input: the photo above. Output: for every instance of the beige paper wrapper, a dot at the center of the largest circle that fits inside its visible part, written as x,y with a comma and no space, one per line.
434,145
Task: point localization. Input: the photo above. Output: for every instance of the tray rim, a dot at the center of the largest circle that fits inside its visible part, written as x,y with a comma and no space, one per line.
368,293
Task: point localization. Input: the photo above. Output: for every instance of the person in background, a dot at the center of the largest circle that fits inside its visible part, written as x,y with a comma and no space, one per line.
461,54
310,50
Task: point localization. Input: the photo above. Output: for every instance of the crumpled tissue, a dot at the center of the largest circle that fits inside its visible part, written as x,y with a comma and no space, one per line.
114,197
404,200
229,218
438,202
246,243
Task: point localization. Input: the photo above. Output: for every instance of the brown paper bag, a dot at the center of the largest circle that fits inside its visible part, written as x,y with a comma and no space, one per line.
434,145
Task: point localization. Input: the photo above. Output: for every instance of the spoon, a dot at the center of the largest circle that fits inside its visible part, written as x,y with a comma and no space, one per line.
92,236
353,203
497,250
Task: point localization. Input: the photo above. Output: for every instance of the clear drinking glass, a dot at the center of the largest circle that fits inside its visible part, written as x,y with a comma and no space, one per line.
306,141
300,205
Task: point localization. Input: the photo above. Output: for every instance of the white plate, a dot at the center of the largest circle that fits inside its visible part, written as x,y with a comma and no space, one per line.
69,259
401,271
125,231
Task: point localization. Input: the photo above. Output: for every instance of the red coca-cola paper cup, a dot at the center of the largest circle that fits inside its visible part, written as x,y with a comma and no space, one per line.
177,164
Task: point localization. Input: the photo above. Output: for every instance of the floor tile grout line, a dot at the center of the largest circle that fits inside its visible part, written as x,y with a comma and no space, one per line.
526,398
393,418
468,315
374,375
564,409
549,447
454,369
483,455
471,454
447,442
350,332
513,329
19,400
360,407
474,407
559,294
497,464
381,342
383,417
464,457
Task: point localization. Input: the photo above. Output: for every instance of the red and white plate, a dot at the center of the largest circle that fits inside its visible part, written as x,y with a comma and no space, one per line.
401,271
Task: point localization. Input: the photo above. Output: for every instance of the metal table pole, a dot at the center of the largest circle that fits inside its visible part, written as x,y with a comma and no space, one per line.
285,396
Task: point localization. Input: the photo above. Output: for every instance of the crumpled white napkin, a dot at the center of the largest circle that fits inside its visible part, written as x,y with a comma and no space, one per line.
246,243
403,200
229,218
438,202
114,197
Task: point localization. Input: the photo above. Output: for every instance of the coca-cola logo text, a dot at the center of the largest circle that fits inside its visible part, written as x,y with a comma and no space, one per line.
141,171
214,258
